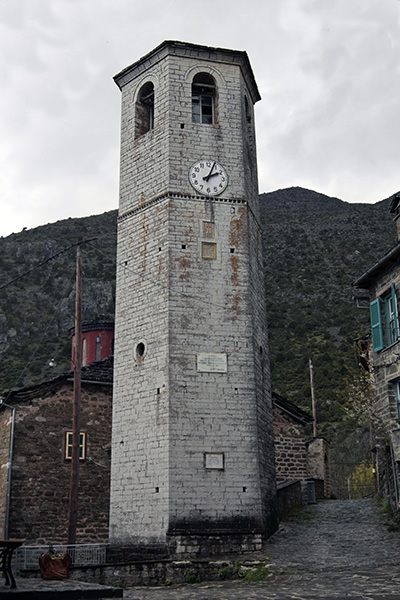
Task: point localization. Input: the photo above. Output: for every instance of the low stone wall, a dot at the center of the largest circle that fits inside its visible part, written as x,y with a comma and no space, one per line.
149,572
199,546
289,496
319,488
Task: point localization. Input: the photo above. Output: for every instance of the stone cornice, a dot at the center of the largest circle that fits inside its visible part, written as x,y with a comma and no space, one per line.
184,49
174,195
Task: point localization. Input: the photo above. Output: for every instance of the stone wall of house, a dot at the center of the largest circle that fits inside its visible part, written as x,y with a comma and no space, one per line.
318,466
290,448
290,496
386,375
41,474
387,362
5,431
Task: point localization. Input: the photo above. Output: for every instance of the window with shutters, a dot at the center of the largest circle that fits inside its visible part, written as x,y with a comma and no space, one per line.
384,320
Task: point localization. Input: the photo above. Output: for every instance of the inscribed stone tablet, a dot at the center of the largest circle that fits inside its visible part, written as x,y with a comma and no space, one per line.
214,460
208,362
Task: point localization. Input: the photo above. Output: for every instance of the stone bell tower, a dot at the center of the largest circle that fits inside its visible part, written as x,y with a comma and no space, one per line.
192,452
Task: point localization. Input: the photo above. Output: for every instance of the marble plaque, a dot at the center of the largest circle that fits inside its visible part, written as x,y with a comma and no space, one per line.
214,460
207,362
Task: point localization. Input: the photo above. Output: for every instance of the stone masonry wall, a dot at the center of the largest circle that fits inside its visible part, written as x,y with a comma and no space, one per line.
318,464
387,362
290,448
140,473
40,474
214,412
5,431
386,371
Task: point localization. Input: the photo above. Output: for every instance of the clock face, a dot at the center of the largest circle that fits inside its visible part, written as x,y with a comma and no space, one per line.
208,177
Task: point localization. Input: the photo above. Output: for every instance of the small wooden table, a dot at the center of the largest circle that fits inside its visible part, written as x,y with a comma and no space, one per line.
7,548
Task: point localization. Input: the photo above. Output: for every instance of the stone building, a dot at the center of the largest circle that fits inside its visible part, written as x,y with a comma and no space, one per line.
382,281
290,433
192,451
35,456
298,458
41,412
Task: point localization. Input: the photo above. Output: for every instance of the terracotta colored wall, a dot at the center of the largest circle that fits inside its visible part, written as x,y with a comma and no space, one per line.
90,338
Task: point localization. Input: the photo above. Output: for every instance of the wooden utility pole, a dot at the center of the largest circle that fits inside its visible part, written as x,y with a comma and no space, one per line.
373,454
314,407
74,480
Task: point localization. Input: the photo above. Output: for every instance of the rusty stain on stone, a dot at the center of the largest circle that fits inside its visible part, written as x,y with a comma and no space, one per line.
236,305
235,269
237,237
143,247
184,264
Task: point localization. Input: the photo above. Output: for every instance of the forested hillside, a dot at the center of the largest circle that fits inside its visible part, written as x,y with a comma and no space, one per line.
37,308
314,247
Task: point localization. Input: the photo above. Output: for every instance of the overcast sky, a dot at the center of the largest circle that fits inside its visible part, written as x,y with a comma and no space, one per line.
328,72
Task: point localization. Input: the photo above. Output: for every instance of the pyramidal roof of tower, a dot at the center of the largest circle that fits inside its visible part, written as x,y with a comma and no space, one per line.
186,49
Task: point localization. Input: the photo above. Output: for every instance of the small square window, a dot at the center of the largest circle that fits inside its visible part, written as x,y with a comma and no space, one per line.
209,250
68,446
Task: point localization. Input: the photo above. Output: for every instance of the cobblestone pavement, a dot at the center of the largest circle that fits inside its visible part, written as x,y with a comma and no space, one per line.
334,549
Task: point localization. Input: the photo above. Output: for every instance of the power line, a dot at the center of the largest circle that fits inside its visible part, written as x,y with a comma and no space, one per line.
45,331
50,323
38,266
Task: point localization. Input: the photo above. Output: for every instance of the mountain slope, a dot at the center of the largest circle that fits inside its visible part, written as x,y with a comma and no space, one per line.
37,310
314,248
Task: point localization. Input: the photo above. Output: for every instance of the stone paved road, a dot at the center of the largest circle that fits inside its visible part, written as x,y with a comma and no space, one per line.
335,549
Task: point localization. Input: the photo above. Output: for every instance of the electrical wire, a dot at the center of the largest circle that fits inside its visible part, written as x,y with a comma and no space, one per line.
50,323
38,266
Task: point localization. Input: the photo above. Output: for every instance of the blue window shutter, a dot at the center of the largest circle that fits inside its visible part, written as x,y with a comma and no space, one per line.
397,392
396,317
376,324
387,302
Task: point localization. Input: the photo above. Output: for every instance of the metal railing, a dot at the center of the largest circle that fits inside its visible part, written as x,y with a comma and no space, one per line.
27,557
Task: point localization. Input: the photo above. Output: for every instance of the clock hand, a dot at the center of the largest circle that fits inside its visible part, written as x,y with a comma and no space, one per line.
211,175
207,177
